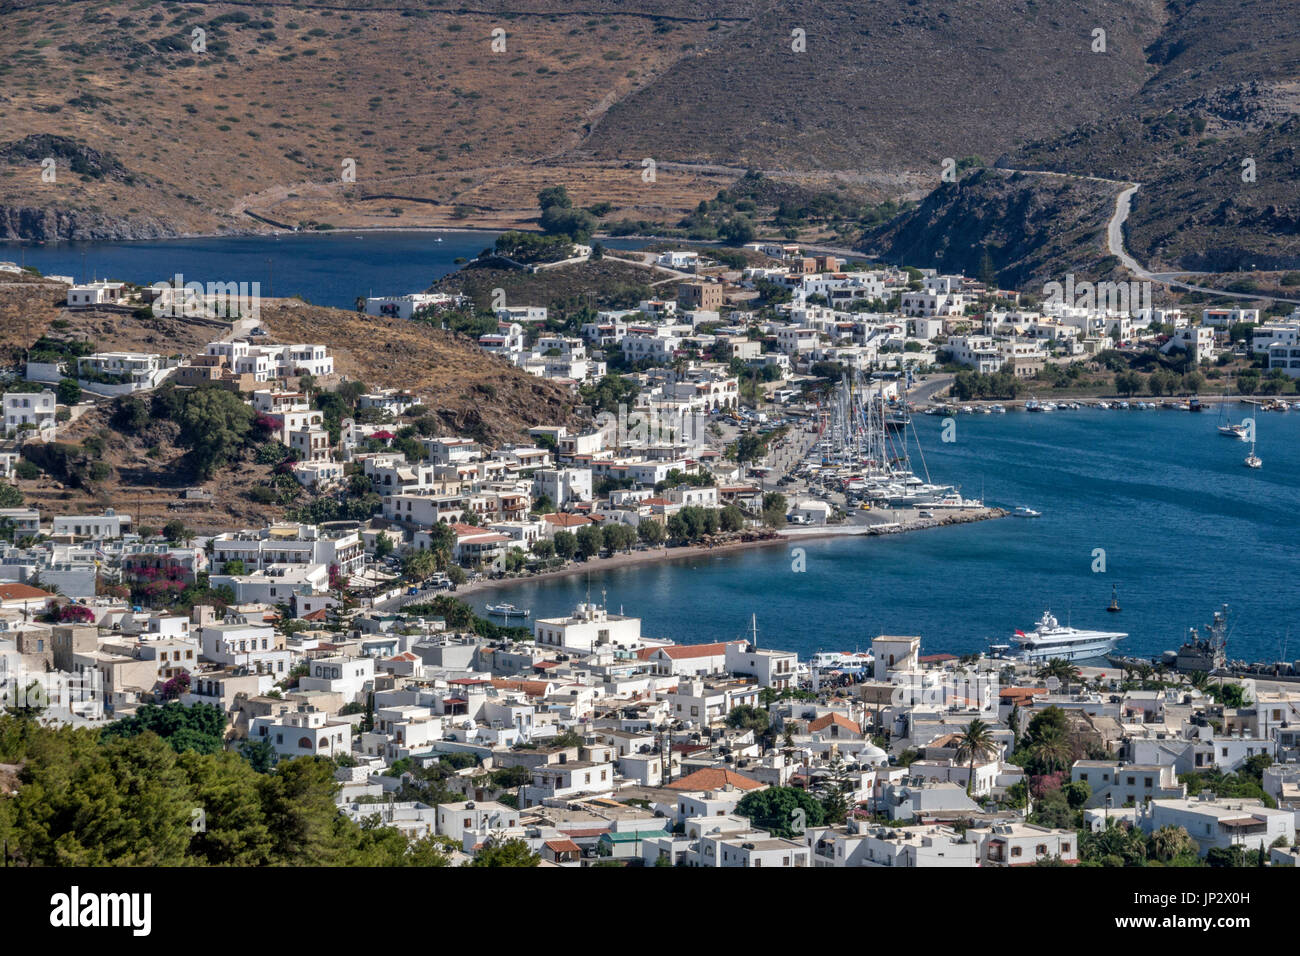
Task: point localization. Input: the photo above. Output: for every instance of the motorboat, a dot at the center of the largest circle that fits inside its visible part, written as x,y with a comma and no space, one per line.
506,610
1023,511
1049,640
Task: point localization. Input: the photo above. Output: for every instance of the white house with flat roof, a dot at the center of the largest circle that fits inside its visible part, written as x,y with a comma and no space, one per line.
29,412
110,524
1228,822
302,733
589,627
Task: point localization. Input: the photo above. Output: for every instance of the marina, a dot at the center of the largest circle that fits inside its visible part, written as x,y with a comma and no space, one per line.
1142,488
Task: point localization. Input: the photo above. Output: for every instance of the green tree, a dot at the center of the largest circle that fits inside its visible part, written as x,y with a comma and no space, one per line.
506,853
234,832
590,540
731,519
748,717
419,565
176,532
68,391
650,532
215,424
10,496
566,544
383,546
774,809
974,743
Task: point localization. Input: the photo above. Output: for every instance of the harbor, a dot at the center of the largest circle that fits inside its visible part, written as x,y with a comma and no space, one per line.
1142,489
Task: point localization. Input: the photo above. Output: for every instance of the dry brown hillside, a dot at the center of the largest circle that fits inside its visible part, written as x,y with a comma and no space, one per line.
472,392
468,391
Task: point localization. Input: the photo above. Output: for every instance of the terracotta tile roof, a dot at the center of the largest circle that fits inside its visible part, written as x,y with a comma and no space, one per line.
22,592
825,720
533,688
563,846
565,521
678,652
583,831
714,778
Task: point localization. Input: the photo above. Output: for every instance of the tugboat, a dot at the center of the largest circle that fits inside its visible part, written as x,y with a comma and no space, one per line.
1113,607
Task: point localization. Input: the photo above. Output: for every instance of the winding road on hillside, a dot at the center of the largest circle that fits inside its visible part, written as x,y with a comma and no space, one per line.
1115,241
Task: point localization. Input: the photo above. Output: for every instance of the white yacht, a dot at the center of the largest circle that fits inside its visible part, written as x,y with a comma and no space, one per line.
1050,640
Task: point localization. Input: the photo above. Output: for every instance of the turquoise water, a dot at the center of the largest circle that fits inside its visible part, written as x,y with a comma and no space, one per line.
330,268
1184,525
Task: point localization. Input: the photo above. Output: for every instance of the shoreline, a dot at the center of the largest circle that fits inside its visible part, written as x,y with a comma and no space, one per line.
784,537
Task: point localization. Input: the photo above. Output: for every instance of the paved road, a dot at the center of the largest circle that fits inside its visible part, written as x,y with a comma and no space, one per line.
1115,242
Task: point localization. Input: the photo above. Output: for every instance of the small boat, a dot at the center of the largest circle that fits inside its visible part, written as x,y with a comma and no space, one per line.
1233,431
506,610
1113,607
1194,405
1022,511
1253,460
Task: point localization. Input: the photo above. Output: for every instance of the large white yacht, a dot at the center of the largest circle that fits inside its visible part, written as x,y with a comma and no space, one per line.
1050,640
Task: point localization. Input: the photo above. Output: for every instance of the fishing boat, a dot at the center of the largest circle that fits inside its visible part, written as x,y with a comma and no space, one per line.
1194,405
506,610
1113,607
1023,511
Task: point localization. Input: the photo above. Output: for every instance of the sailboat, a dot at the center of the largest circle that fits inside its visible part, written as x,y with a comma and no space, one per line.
1253,460
1227,429
1113,607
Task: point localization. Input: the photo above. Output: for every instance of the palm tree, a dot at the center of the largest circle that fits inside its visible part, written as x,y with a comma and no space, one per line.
1061,669
974,741
1054,753
1199,680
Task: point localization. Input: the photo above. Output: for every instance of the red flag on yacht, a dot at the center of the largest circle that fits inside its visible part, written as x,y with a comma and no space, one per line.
1020,633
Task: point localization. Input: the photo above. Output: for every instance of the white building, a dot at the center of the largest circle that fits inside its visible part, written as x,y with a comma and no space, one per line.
94,527
302,733
92,294
1220,823
34,409
589,627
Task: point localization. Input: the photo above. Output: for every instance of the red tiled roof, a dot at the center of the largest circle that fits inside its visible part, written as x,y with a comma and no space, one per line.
533,688
825,720
563,846
565,520
714,778
22,592
678,652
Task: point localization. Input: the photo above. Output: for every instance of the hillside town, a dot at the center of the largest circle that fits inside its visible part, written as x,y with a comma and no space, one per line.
341,633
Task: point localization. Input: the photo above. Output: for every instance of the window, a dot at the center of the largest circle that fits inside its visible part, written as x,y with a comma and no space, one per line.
1040,849
1015,851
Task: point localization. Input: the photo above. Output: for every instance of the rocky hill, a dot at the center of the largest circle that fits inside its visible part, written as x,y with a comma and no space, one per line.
257,127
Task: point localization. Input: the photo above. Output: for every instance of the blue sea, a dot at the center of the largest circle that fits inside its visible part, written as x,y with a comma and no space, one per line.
325,268
1183,524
